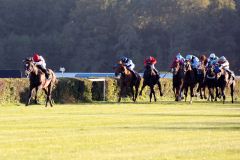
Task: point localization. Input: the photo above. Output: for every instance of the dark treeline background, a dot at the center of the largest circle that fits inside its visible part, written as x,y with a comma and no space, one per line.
90,35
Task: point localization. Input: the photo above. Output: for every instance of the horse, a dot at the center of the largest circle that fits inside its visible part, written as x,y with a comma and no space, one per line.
224,80
200,77
151,78
127,80
178,79
38,81
189,80
210,81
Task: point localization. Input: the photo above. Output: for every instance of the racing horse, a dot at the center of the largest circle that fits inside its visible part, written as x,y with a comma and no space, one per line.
38,81
178,79
201,76
210,81
189,80
127,80
224,80
151,78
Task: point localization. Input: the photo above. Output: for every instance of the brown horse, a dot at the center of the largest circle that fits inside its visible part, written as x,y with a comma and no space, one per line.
38,81
189,81
210,81
224,81
151,78
201,77
178,79
127,80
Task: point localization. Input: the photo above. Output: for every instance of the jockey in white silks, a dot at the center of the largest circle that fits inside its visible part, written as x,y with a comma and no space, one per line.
40,62
224,64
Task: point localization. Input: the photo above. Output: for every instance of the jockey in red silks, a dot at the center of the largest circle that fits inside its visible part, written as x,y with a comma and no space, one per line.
40,62
151,61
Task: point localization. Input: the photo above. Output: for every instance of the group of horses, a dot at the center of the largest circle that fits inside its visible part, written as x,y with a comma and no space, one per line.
184,78
131,80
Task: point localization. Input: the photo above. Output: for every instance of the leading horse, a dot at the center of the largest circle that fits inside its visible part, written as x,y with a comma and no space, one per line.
38,81
127,80
151,78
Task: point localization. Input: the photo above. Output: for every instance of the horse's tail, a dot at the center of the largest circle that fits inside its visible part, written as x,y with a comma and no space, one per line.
54,79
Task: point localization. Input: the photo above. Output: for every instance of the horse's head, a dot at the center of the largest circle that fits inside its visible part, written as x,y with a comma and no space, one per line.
28,66
210,72
119,68
187,66
176,66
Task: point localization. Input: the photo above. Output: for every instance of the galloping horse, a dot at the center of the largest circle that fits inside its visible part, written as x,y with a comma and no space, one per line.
178,79
151,79
210,81
127,79
201,74
189,80
38,81
223,81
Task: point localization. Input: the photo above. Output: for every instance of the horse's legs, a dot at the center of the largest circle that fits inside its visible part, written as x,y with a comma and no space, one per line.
143,86
192,94
223,94
47,97
136,91
160,88
217,94
29,96
232,91
120,94
50,94
150,95
35,99
176,93
186,92
204,92
133,95
153,92
211,93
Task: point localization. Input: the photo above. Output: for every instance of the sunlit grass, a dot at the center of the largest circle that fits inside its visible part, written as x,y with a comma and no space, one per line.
121,131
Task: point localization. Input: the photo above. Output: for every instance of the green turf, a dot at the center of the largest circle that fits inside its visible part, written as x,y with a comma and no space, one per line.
121,131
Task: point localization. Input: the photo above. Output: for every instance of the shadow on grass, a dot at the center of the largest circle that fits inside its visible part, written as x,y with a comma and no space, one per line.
225,128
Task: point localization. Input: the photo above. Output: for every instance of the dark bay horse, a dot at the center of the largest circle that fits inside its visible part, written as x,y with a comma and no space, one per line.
151,78
200,77
189,81
210,81
223,80
38,81
127,80
178,79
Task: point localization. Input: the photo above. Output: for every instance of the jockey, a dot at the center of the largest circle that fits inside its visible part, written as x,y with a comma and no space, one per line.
212,59
151,61
129,64
195,63
224,64
178,58
41,64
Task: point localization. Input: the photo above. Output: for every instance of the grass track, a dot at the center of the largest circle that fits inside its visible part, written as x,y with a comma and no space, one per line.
159,131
